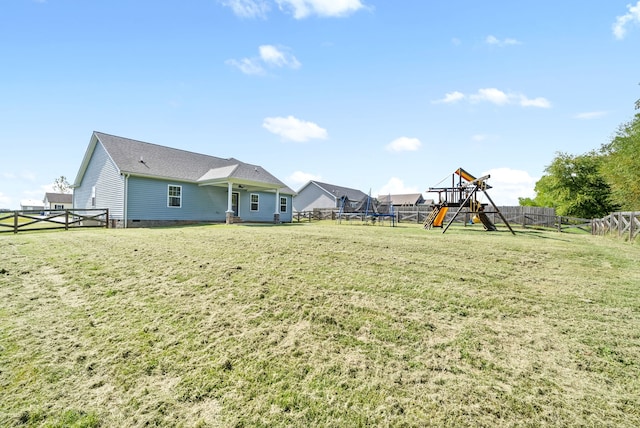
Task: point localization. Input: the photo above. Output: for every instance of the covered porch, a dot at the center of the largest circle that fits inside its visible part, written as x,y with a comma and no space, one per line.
239,181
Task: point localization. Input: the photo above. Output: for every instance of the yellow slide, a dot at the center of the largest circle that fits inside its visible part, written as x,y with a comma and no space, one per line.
440,217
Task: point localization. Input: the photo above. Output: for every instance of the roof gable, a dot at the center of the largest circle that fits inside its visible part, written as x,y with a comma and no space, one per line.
339,191
59,198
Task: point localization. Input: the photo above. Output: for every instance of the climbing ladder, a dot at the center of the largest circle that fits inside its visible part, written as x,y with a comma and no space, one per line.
436,216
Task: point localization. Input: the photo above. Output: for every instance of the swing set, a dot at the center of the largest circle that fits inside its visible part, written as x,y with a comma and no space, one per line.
463,195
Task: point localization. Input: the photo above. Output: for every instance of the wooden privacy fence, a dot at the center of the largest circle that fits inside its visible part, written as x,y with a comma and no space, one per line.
624,224
18,221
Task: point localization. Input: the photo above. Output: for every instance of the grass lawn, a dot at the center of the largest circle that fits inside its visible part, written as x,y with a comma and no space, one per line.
318,325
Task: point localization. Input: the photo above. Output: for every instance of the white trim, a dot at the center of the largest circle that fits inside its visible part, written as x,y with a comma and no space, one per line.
251,195
169,196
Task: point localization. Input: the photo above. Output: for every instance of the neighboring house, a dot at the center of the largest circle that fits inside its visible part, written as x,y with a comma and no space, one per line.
405,200
145,184
31,205
315,194
58,201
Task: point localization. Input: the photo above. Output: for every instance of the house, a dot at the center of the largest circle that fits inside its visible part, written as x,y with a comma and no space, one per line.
31,205
319,195
58,201
144,184
404,200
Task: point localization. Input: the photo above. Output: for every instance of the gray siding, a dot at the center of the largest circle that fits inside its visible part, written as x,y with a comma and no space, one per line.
266,207
148,201
105,176
313,197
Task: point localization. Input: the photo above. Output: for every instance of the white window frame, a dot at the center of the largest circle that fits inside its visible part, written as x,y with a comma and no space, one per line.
256,203
170,196
93,196
285,206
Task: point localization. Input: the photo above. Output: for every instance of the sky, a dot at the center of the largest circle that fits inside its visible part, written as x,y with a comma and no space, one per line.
383,96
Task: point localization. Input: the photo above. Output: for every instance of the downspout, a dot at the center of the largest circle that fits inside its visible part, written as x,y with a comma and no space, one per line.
126,199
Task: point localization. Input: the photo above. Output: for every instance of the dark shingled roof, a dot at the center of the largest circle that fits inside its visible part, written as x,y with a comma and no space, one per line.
152,160
58,198
338,191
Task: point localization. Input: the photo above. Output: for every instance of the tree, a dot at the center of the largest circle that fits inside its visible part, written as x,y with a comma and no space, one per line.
621,164
61,185
574,186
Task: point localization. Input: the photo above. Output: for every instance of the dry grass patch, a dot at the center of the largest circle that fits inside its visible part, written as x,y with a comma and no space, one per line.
318,325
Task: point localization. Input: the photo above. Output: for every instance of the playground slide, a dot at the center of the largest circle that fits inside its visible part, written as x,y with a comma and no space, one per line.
437,222
486,222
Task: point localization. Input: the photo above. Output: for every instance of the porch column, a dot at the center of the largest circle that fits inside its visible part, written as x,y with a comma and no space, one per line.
276,215
229,211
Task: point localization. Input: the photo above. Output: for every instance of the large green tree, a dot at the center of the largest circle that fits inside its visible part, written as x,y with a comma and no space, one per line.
621,165
575,187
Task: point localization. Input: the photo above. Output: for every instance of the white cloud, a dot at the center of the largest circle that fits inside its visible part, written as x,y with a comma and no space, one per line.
510,184
535,102
270,56
451,97
620,26
248,8
492,95
590,115
278,57
247,66
299,178
5,201
479,137
492,40
404,144
497,97
396,186
28,175
323,8
293,129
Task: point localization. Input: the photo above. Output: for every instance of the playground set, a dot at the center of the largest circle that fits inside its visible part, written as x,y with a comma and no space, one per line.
463,195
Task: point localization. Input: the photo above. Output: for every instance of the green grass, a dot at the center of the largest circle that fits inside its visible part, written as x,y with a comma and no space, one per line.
318,325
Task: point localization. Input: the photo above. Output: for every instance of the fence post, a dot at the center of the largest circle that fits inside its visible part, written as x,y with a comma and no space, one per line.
15,222
66,219
632,221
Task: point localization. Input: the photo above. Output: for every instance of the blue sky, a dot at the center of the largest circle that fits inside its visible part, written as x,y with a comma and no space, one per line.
382,96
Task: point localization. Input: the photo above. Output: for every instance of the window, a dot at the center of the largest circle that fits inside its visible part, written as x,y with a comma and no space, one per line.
174,199
58,207
93,196
283,204
255,202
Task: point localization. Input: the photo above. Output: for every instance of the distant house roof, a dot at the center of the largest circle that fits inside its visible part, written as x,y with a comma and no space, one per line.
405,199
31,203
339,191
58,198
151,160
